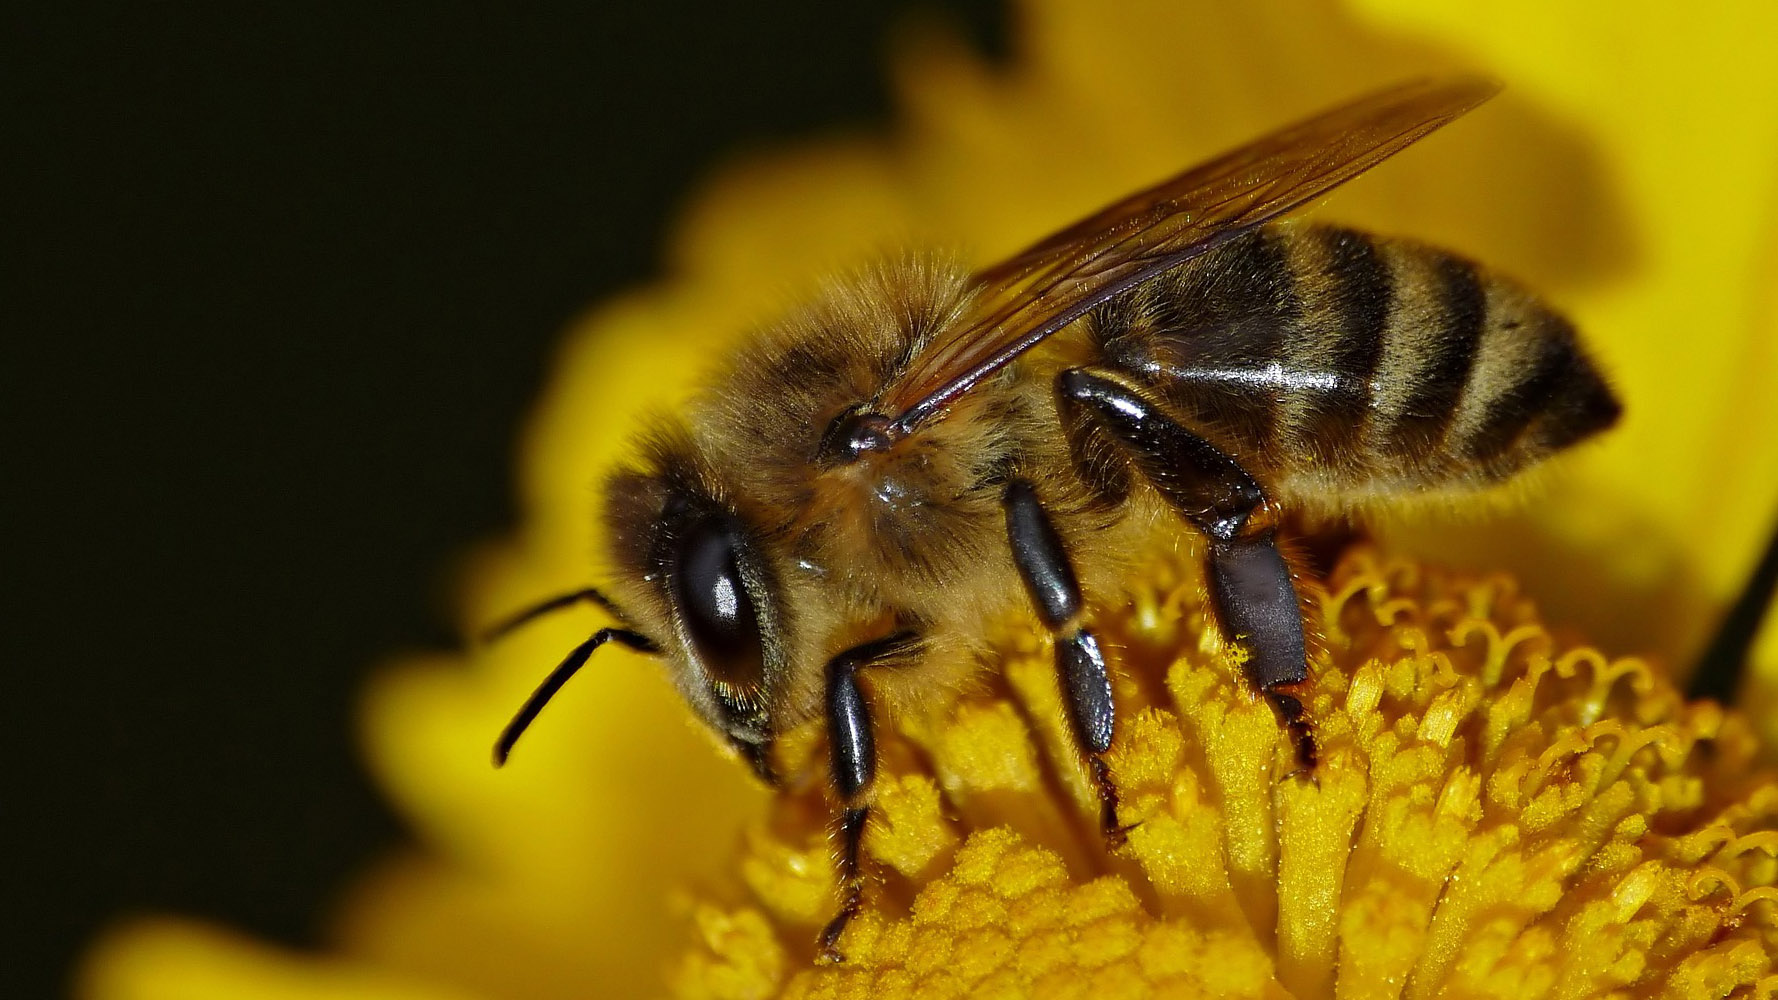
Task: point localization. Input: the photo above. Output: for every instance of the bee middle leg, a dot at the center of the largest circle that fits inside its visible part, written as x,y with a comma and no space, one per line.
1048,574
853,757
1250,583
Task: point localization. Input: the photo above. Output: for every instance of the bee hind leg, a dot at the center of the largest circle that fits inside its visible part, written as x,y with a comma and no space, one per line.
1257,602
1048,574
853,756
1250,583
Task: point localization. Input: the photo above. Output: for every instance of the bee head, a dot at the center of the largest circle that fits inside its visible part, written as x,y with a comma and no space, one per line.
698,581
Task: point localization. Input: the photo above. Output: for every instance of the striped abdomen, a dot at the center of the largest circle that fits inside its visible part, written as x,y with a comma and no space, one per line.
1326,359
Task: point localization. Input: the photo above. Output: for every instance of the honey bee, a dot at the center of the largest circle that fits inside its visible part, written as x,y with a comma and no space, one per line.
856,491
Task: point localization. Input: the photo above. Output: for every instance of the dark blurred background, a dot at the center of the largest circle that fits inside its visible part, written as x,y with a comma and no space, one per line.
281,282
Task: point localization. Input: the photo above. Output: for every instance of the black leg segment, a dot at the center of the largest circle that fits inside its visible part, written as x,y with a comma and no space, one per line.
1042,561
1206,487
1087,687
1256,601
853,757
852,823
853,745
558,677
1250,583
1038,552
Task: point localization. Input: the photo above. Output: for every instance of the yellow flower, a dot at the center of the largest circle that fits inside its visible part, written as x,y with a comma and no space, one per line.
1630,171
1496,816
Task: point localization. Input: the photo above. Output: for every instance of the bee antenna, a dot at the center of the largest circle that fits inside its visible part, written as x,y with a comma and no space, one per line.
558,677
589,594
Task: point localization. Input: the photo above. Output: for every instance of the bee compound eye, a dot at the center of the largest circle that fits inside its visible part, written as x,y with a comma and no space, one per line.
718,612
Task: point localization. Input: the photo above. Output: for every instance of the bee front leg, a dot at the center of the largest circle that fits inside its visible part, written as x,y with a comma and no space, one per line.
1048,574
1250,582
853,749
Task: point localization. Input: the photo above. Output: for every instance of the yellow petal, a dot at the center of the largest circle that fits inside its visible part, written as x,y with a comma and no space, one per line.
179,960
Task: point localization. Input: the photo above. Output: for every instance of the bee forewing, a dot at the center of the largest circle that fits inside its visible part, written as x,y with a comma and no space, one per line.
1022,300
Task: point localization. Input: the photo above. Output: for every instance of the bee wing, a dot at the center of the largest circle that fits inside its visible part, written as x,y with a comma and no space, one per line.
1019,302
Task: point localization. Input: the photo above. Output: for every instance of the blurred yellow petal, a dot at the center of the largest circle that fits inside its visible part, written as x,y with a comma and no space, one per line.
562,847
179,960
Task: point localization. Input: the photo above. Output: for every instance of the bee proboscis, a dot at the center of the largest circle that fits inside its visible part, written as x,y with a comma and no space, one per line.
857,490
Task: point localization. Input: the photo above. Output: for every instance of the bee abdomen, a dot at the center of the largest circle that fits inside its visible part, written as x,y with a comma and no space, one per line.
1330,360
1449,374
1540,394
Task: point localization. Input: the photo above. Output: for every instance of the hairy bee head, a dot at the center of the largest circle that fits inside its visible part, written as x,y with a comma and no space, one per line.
769,524
694,573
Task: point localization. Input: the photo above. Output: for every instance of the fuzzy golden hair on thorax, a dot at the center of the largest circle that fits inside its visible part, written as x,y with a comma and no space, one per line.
916,513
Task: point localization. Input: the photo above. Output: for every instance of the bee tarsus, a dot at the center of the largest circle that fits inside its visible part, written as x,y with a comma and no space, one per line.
852,823
1115,833
1295,720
